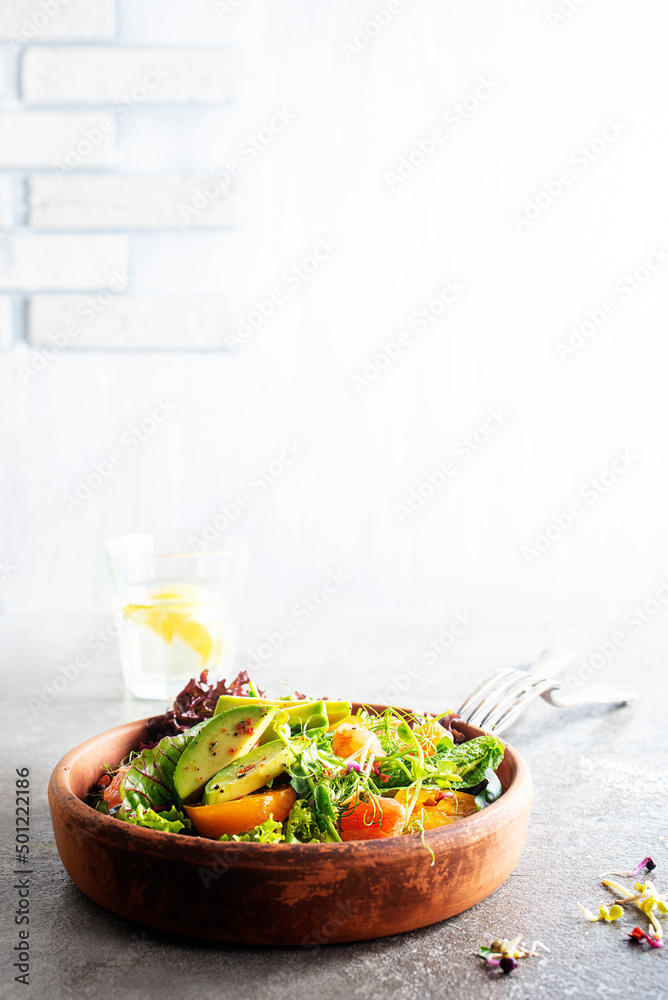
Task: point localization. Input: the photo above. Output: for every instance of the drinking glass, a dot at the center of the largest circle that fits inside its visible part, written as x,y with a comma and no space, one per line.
177,609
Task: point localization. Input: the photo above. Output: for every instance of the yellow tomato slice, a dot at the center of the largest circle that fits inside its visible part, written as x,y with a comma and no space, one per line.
242,814
429,734
434,814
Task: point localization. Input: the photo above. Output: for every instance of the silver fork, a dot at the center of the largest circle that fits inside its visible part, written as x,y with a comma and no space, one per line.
497,702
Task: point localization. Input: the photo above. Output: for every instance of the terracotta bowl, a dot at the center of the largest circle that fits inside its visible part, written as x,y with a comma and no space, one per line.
280,894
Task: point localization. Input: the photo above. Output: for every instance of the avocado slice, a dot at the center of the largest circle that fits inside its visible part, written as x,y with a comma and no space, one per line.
335,710
227,701
310,715
226,737
248,773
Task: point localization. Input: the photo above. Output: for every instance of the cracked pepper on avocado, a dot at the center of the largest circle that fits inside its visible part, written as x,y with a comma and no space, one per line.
229,764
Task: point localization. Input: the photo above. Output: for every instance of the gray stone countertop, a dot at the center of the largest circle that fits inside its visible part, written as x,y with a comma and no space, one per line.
600,804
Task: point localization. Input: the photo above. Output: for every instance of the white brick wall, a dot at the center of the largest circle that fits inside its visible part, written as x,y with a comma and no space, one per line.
42,139
6,336
6,203
73,212
127,201
30,261
129,321
31,20
130,76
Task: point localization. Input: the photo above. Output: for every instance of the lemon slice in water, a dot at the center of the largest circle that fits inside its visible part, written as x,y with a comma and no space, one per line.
175,617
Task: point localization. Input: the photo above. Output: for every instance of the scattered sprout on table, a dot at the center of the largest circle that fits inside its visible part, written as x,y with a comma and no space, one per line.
504,954
637,934
645,863
608,915
645,898
638,901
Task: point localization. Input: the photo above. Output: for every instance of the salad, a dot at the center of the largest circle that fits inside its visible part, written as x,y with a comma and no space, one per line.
228,763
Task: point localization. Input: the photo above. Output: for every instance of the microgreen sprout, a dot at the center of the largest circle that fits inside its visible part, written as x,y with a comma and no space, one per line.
408,736
645,863
637,934
504,954
658,935
646,898
613,913
507,964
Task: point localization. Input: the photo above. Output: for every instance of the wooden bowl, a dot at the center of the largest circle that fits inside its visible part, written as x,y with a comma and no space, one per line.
280,894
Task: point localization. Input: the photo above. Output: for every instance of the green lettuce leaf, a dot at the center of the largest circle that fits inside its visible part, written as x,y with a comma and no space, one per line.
301,826
149,784
471,759
491,793
270,832
169,821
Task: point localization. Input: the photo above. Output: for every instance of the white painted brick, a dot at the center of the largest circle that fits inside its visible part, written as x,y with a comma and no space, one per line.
6,204
161,22
130,201
125,76
42,139
4,71
6,336
24,21
30,262
195,323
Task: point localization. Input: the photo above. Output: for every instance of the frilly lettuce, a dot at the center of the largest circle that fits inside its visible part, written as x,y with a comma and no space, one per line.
270,832
169,821
301,826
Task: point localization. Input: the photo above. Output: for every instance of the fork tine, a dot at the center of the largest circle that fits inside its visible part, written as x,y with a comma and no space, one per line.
482,689
489,693
522,694
511,714
493,696
488,683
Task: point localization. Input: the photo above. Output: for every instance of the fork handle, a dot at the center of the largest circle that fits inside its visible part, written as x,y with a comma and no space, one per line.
557,661
593,695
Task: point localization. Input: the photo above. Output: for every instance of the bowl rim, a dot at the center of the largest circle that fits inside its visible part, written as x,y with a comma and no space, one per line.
469,829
